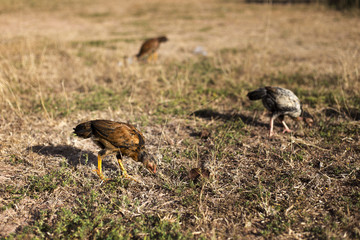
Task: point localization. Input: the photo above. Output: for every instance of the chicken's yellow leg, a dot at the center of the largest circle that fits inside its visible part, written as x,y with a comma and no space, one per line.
148,59
124,171
99,169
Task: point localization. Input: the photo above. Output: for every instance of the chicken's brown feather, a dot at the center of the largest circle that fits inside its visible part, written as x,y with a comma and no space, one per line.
117,138
120,135
114,136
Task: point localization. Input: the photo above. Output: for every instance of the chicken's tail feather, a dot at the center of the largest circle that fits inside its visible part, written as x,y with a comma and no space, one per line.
83,130
257,94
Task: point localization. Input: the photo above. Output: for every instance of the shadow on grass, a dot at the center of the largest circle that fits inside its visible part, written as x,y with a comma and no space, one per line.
211,114
351,113
73,155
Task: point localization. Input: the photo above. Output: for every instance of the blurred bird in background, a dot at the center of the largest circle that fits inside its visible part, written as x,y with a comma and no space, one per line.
149,47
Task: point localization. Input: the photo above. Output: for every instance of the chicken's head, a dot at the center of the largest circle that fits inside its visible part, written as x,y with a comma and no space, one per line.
307,118
148,160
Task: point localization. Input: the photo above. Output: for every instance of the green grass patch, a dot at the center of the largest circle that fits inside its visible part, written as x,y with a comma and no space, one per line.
101,42
93,218
100,98
49,182
15,160
177,107
206,29
300,79
97,98
95,15
38,5
335,132
38,185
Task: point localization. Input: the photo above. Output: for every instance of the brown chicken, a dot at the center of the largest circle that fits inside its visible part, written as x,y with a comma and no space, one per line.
117,138
149,47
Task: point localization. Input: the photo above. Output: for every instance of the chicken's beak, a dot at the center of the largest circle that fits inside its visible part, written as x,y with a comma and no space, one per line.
309,121
150,165
153,168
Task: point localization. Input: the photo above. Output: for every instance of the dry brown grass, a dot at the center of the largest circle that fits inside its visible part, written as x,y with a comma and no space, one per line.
62,64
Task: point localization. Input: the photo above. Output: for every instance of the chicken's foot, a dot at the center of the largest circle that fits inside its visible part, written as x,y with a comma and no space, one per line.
287,129
125,174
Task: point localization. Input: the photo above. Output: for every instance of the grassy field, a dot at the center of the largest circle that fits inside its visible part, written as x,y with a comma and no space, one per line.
65,62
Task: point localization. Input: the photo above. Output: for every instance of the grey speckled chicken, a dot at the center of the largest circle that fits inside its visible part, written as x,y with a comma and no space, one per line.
280,102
